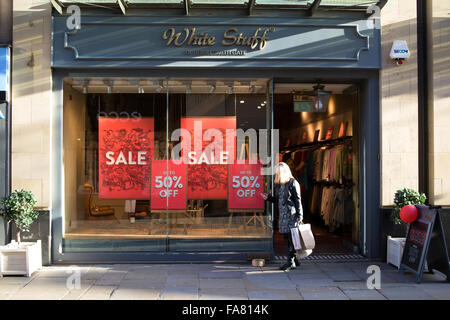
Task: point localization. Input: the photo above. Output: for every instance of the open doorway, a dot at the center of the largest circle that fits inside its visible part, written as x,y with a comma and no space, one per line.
319,140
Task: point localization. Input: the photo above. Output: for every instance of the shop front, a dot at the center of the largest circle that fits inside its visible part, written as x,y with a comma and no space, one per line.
166,131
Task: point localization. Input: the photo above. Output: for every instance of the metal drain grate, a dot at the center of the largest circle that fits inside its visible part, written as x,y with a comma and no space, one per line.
327,257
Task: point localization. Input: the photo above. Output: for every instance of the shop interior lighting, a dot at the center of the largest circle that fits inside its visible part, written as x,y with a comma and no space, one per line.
160,87
85,84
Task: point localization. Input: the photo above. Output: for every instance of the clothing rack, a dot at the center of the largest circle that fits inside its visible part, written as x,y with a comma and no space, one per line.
316,144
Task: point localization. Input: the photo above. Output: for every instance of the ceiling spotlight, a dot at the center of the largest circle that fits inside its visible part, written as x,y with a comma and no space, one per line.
213,87
242,101
259,107
141,89
85,84
160,87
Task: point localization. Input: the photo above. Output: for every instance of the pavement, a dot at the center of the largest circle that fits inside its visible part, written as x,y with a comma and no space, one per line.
310,281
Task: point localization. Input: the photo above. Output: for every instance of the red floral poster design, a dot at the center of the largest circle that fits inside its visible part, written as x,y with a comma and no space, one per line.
207,169
125,149
245,186
171,184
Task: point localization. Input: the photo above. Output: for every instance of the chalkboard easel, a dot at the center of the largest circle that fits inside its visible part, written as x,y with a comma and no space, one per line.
425,242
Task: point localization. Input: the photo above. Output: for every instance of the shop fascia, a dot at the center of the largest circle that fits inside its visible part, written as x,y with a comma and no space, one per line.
231,37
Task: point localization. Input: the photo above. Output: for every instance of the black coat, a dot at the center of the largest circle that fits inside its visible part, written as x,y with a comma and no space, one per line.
289,205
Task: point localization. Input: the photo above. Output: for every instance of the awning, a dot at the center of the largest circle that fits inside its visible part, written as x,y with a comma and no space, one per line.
309,6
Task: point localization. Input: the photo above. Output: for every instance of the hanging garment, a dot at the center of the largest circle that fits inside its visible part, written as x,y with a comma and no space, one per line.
325,162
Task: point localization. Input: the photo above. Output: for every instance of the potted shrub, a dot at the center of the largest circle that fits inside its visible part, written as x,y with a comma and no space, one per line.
394,229
20,257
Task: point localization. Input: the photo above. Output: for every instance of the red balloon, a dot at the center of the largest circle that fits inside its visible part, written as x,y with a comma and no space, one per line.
408,213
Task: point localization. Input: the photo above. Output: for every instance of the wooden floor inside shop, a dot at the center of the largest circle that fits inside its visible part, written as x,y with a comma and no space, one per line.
157,228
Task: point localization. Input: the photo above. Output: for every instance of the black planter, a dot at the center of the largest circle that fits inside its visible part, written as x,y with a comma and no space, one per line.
389,228
40,230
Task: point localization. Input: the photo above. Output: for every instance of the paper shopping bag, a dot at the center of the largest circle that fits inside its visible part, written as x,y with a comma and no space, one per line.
306,236
296,238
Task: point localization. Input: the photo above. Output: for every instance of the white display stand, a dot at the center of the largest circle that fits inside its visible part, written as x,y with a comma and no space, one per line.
22,260
395,248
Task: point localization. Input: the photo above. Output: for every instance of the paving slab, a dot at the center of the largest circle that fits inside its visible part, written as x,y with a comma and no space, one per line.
52,288
77,293
111,278
272,294
221,274
20,280
98,293
142,283
95,273
180,293
268,281
223,294
146,273
325,282
125,293
343,276
366,294
322,293
405,293
439,291
302,276
61,271
222,283
9,290
182,280
352,285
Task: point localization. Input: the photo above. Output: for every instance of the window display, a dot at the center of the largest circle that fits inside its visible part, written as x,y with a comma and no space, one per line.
129,174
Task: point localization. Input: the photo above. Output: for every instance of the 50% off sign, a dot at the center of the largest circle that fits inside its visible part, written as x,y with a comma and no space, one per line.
245,185
168,185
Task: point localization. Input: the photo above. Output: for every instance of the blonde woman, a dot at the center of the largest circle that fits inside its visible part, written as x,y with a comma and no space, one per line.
287,197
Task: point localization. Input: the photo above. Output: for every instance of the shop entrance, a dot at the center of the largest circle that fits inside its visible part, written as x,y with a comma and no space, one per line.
319,129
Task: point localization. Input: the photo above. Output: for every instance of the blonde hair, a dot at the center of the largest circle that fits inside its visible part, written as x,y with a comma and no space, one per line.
283,173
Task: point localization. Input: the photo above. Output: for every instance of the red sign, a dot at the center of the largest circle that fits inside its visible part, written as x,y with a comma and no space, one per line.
329,133
169,185
244,187
208,155
125,151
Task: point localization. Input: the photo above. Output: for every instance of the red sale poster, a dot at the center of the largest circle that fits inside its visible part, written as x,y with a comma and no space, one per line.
244,186
125,151
209,155
168,184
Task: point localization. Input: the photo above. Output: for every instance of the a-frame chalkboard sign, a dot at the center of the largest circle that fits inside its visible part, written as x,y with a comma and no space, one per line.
425,242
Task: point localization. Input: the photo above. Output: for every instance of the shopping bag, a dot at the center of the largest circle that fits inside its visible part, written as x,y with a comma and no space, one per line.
302,254
295,234
306,237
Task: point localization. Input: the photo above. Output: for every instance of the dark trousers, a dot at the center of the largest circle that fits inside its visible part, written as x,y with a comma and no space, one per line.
290,246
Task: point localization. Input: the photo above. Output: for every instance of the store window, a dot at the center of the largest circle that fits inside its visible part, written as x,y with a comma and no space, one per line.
146,160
